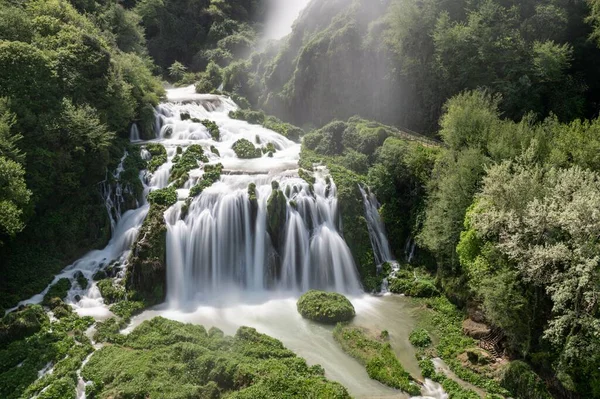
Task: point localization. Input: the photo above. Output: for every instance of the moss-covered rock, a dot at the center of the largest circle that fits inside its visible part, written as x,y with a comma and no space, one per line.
244,149
276,215
111,292
147,272
57,290
82,281
376,355
215,151
188,161
194,363
163,197
159,156
212,174
325,307
213,129
21,323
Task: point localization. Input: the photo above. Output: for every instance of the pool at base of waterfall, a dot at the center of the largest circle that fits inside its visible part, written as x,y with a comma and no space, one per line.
275,314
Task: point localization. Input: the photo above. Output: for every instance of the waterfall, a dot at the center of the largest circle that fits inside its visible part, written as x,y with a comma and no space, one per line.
379,241
222,242
378,236
134,133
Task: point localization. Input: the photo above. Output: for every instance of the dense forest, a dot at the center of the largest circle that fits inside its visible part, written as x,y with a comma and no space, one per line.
499,191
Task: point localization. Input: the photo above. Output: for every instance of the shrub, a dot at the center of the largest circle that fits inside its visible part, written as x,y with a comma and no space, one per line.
159,156
244,149
111,292
213,129
165,196
325,307
420,338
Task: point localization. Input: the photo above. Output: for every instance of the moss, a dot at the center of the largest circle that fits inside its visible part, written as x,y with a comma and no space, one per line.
420,338
212,174
127,309
419,289
163,197
167,359
146,274
21,324
213,129
377,356
57,290
306,176
244,149
187,162
110,291
325,307
159,156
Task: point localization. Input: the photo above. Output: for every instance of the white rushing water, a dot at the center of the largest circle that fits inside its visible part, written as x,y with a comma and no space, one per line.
222,268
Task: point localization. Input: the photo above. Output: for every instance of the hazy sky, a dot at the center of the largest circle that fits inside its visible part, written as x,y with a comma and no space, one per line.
281,16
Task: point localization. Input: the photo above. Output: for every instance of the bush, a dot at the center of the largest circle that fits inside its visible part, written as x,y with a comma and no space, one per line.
419,287
111,292
325,307
244,149
187,162
420,338
523,382
165,196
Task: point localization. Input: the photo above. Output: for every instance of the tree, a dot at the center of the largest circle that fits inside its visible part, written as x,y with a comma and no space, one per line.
545,224
177,70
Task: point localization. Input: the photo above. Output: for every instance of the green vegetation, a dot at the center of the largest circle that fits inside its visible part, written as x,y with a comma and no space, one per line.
57,290
409,283
244,149
420,338
110,291
197,363
73,81
29,342
183,164
325,307
212,174
376,355
163,197
212,128
159,156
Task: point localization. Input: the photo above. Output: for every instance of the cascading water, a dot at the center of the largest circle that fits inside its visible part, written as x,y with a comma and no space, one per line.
134,133
223,241
378,236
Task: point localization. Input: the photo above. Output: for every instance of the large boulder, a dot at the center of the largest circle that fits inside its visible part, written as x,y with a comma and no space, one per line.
325,307
147,271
